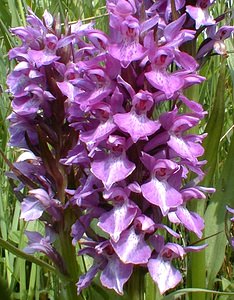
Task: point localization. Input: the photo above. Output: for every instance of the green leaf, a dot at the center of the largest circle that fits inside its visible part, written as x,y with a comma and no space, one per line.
230,60
214,127
215,218
7,245
5,293
177,294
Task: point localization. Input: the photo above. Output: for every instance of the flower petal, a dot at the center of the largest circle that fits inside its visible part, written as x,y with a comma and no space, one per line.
116,274
112,169
167,83
160,193
138,126
164,274
132,248
118,219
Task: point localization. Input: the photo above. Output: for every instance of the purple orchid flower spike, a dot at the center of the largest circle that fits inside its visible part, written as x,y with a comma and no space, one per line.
136,123
107,120
158,190
113,166
200,13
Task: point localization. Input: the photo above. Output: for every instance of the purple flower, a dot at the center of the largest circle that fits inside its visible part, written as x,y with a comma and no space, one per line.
36,203
114,273
160,267
38,243
169,83
215,40
191,220
100,132
113,166
118,219
131,246
128,48
200,13
186,146
158,190
136,123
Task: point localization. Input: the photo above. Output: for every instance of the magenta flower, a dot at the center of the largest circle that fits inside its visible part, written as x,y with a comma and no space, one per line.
200,13
136,123
114,273
38,243
37,202
215,41
158,190
128,48
114,166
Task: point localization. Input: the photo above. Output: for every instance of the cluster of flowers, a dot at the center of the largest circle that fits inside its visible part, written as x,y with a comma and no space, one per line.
104,121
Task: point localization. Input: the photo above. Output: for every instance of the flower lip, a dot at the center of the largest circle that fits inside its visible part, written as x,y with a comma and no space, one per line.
164,168
163,57
102,112
51,41
116,144
130,28
142,102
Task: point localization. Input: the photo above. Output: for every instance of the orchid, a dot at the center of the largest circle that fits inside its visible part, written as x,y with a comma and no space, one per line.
109,122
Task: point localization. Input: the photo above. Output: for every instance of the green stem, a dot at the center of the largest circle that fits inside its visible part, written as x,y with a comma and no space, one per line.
151,289
21,11
136,285
197,272
68,252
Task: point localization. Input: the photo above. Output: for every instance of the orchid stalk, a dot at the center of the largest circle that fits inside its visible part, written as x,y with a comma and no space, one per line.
107,131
